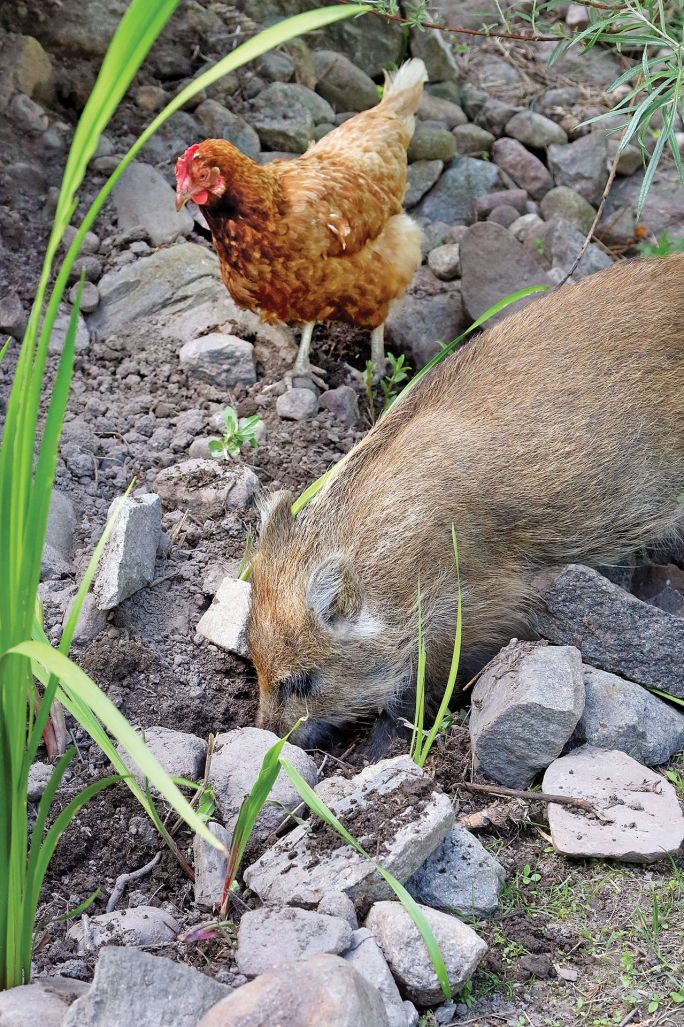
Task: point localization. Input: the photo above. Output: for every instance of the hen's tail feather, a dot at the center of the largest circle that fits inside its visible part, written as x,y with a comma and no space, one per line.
404,88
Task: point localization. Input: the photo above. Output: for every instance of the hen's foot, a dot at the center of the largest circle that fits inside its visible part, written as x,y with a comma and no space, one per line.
301,369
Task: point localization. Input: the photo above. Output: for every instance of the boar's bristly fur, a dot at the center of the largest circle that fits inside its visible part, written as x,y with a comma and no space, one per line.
555,436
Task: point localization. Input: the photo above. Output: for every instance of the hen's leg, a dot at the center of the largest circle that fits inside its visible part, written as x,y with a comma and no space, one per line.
302,365
377,342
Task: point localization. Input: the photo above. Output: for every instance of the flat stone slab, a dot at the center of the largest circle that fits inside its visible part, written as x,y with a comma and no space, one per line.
140,925
611,628
129,555
267,936
525,708
645,820
408,958
393,810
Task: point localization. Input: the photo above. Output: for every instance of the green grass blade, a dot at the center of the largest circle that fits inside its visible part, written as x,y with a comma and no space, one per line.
455,659
251,806
79,684
667,695
321,810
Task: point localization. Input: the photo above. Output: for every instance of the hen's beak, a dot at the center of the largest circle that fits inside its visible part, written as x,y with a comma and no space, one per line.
182,199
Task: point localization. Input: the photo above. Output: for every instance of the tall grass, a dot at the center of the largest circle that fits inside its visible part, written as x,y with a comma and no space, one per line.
27,471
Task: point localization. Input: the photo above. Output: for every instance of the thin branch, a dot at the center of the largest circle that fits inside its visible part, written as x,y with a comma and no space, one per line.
597,218
517,793
124,880
464,32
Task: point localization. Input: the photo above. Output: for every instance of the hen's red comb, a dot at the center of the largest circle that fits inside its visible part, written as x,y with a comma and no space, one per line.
183,162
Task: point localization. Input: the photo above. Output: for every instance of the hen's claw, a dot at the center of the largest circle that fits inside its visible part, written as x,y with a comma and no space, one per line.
304,369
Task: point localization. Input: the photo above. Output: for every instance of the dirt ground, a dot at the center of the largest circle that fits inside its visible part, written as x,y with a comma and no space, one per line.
590,943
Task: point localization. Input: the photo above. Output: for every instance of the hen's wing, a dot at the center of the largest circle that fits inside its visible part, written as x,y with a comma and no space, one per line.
341,192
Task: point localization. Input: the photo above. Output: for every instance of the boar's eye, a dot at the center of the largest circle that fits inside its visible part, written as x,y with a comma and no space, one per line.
300,684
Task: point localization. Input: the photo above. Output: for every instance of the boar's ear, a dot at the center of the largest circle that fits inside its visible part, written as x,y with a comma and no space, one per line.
334,594
276,518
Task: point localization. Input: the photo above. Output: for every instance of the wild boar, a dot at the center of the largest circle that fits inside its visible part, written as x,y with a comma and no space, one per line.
556,436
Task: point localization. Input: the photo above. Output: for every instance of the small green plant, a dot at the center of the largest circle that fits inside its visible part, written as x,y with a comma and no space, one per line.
387,386
422,741
528,876
663,247
237,434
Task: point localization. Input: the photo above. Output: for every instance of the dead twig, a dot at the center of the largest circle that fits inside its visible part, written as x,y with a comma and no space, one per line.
517,793
493,816
124,880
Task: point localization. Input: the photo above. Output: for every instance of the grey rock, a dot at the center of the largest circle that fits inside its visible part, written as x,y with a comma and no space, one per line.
436,108
57,558
88,266
146,926
451,200
472,140
59,332
524,168
373,44
129,555
663,210
45,1002
565,203
600,69
312,872
210,866
219,359
209,487
26,68
297,405
336,903
516,198
179,753
412,1014
445,261
301,993
38,778
535,130
134,987
504,215
405,951
90,297
91,620
179,280
235,767
582,165
220,123
563,243
428,317
433,48
275,66
494,74
142,196
28,115
629,161
619,714
460,876
493,265
429,143
268,936
342,403
13,317
527,228
285,113
150,98
87,32
225,622
422,175
171,139
366,956
525,707
342,84
642,820
495,115
612,629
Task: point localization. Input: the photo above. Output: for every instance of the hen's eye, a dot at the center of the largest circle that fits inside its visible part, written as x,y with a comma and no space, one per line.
300,684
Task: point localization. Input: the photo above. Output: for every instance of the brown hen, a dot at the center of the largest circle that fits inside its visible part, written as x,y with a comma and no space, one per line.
322,237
